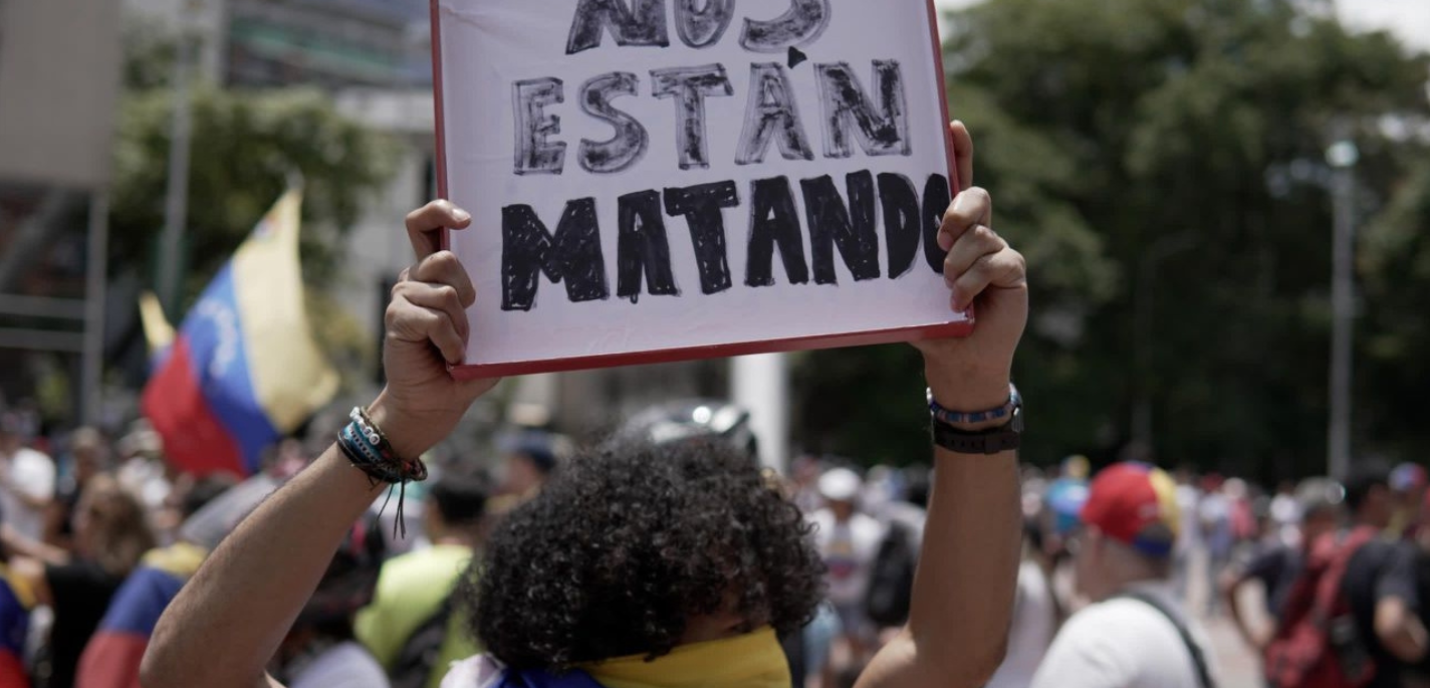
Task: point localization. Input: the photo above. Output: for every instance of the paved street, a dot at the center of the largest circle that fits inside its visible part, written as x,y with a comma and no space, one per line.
1240,668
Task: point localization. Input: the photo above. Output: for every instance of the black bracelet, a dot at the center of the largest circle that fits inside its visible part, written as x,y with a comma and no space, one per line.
980,443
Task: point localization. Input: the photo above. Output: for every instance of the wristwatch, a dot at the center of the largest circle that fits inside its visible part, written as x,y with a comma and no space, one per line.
1006,437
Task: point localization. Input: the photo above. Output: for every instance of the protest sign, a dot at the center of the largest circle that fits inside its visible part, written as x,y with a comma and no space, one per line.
656,180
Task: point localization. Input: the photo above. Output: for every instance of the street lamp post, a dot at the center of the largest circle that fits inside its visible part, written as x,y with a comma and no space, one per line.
1160,250
1342,157
176,210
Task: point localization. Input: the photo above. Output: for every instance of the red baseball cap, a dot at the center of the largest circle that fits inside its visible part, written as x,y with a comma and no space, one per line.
1135,504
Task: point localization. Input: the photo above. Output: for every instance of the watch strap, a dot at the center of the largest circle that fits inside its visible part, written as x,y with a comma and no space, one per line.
985,442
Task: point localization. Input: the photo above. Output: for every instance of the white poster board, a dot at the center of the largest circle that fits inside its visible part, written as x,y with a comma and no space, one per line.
656,180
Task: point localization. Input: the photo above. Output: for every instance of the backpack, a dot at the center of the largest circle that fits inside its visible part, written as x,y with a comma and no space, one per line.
891,582
418,658
1317,644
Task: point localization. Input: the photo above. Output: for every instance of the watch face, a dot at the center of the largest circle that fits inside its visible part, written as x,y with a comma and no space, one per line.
1017,423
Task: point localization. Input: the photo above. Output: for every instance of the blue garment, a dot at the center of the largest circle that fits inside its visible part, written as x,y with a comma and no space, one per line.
542,679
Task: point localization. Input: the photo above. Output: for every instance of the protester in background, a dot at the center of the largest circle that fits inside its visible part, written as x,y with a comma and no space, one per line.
16,601
27,479
1277,566
111,534
410,627
804,478
1037,612
188,496
1285,512
1407,482
88,456
529,464
1062,509
208,510
142,469
847,540
321,650
1135,634
1189,531
1379,581
528,460
1218,535
1418,676
891,580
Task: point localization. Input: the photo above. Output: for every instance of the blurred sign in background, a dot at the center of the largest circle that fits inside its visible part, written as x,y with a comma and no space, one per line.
57,97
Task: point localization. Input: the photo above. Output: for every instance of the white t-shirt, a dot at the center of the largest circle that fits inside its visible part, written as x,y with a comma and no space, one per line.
1188,503
1123,643
848,550
32,473
347,665
1032,632
474,672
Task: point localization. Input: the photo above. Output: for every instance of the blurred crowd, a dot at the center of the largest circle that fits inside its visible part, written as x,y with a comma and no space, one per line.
1322,578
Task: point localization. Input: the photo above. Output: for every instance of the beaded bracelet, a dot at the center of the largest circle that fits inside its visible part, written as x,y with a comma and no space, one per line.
958,418
368,449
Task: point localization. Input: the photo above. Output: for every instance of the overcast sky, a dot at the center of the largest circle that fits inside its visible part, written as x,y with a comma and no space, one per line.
1409,19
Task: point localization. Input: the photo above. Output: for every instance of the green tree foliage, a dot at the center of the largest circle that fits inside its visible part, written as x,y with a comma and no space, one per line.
1394,371
247,146
1166,157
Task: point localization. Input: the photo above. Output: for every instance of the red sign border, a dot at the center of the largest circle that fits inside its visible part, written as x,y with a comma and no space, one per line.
869,338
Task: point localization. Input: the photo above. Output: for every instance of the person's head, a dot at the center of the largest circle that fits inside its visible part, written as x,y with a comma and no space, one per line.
89,452
530,460
202,491
187,496
1368,496
1408,482
1320,513
455,507
1061,515
637,549
840,488
1129,529
1076,467
110,526
12,433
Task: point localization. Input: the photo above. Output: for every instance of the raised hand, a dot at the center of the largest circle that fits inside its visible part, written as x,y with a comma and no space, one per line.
427,330
983,271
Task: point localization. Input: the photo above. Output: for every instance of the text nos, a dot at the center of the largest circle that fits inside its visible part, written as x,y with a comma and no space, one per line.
573,254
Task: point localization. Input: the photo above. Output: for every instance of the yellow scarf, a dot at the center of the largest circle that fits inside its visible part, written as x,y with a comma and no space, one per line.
754,660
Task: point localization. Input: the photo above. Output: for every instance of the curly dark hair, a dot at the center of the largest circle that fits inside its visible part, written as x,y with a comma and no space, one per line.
627,543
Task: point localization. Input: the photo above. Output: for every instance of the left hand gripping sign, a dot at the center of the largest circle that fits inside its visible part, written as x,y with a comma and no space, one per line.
666,179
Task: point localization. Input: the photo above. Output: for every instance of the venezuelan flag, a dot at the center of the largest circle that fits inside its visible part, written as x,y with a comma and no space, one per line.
112,657
16,601
158,333
243,370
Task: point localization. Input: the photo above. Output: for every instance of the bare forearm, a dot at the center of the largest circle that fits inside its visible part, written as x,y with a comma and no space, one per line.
968,574
223,627
1400,631
1228,591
